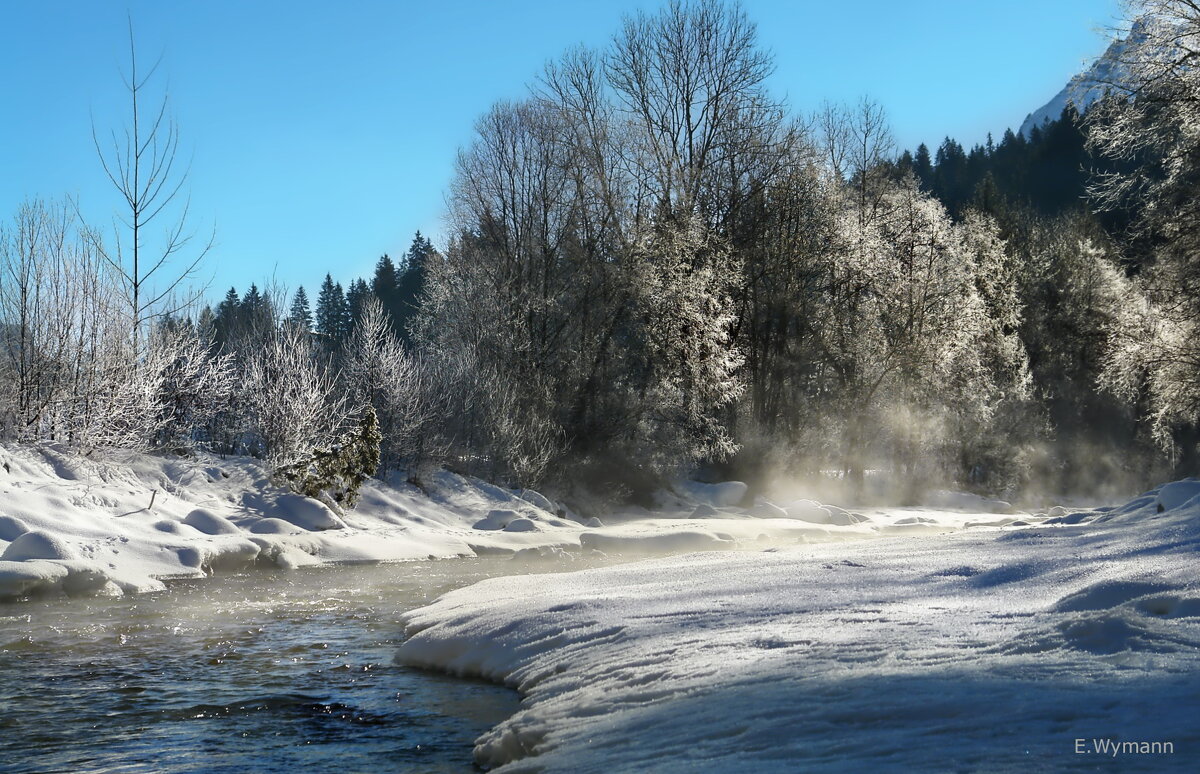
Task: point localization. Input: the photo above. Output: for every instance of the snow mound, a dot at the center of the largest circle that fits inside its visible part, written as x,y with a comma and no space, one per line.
497,519
169,526
1107,634
768,510
967,502
521,525
816,513
306,513
704,511
74,577
273,527
210,523
1108,594
228,554
18,579
11,527
537,500
1177,493
807,510
37,545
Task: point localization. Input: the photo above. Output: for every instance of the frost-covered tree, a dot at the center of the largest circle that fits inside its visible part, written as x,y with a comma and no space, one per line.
1155,130
683,367
195,386
292,401
380,373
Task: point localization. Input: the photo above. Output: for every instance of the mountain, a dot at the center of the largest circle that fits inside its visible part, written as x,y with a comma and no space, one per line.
1086,87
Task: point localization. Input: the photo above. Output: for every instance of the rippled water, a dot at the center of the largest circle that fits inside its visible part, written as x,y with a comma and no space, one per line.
264,672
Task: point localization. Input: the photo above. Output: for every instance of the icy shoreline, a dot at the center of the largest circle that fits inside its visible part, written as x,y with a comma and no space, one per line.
980,650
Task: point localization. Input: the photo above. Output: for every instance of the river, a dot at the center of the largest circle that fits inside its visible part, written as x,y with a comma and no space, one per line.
263,671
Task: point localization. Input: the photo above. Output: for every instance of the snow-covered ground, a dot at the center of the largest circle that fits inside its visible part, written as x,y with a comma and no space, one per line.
1061,646
964,635
123,524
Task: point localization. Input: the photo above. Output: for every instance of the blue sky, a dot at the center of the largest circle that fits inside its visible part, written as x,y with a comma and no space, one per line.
322,135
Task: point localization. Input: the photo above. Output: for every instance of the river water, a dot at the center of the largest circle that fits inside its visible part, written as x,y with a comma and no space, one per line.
256,672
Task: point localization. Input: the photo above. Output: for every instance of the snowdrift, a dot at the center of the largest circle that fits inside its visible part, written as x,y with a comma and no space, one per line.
121,525
73,525
987,649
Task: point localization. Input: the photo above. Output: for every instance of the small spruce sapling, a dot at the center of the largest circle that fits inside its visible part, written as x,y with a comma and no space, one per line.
335,475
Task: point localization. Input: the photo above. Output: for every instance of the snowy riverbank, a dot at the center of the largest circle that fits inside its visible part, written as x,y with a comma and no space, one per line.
1019,649
964,636
124,524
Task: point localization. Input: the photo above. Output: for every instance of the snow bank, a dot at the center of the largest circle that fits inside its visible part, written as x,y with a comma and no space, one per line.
75,525
1177,493
138,519
141,518
988,649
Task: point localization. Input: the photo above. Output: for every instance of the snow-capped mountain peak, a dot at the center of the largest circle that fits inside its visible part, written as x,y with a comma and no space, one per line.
1086,87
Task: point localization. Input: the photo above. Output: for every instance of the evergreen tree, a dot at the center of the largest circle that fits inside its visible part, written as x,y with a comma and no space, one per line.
950,178
257,313
411,284
300,316
332,313
206,326
228,318
923,167
356,301
385,282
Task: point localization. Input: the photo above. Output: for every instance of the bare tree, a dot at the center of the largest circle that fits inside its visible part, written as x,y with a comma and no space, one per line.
142,164
688,78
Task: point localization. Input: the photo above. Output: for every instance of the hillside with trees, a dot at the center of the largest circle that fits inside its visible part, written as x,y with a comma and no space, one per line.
655,267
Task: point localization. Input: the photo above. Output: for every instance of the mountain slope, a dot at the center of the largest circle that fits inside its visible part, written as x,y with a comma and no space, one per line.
1086,87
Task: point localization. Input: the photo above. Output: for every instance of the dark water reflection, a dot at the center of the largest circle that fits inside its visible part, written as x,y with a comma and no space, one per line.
264,672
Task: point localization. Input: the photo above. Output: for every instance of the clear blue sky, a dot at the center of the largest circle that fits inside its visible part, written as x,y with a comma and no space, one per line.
323,134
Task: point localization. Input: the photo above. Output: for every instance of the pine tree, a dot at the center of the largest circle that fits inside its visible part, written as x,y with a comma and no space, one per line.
385,282
257,312
410,285
356,301
228,319
300,316
332,313
923,167
206,326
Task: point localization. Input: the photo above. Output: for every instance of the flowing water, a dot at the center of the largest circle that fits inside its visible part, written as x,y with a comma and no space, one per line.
256,672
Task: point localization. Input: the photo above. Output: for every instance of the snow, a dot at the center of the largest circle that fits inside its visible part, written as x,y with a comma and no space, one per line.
1088,86
979,649
139,519
758,634
37,545
210,523
1177,494
11,528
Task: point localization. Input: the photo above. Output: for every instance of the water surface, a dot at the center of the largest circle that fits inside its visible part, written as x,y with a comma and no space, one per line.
262,671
